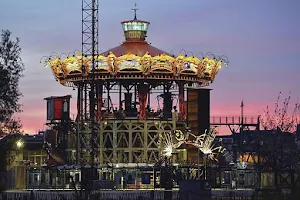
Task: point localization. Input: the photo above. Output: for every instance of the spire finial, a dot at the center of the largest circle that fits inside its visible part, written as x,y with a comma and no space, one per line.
135,9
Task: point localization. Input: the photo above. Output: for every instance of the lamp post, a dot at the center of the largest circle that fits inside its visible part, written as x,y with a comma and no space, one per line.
233,169
19,145
205,165
17,158
206,152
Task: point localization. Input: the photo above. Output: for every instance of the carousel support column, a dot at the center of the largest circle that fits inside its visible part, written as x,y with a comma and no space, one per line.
164,96
82,120
167,102
101,143
182,109
115,143
99,116
130,143
145,155
108,97
120,97
143,93
149,103
85,102
99,91
135,88
78,119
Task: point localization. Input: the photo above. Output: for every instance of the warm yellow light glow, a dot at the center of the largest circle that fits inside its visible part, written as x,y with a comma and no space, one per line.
182,66
20,144
168,151
206,150
170,141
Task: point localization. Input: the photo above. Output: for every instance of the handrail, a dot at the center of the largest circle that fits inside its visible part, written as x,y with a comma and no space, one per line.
234,120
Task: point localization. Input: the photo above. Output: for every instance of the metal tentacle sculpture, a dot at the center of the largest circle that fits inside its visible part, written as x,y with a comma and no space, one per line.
204,142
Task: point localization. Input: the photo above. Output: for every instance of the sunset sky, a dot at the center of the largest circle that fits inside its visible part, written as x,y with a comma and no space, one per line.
261,38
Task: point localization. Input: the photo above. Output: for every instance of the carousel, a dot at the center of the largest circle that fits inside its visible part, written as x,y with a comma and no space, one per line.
140,92
140,95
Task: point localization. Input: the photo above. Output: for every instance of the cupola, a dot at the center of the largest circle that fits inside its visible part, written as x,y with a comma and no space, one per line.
135,30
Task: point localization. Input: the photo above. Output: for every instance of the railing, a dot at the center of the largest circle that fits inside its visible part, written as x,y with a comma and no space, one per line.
234,120
220,194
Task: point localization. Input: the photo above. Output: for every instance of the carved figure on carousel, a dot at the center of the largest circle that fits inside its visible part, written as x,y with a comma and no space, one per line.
204,72
178,64
101,63
129,62
112,63
210,63
71,66
216,69
191,65
162,63
200,70
84,63
56,67
146,63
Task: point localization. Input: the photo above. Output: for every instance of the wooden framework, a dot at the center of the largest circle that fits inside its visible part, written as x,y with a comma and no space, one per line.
125,141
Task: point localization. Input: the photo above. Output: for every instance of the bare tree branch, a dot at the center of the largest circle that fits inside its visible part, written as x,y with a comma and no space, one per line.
281,118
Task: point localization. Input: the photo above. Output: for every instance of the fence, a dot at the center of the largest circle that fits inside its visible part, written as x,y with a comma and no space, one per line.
121,195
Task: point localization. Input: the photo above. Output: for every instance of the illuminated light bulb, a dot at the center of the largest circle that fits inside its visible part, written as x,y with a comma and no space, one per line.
206,150
168,151
19,143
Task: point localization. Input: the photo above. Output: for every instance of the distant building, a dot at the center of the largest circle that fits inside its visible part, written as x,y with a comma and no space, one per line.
28,153
261,159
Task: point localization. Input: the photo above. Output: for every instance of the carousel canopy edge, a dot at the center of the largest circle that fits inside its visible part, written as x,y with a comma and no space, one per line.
191,68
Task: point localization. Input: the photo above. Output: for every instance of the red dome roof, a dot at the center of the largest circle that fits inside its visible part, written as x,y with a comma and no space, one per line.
135,47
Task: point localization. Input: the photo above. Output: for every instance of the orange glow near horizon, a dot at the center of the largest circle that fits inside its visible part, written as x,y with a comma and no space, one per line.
34,120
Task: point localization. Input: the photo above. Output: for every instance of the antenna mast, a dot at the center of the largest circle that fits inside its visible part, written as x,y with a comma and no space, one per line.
87,90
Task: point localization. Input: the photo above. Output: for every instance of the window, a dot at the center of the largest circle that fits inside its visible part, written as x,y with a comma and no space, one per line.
136,26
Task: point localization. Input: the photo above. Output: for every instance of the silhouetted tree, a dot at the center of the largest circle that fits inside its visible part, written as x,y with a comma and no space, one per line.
11,68
278,146
281,118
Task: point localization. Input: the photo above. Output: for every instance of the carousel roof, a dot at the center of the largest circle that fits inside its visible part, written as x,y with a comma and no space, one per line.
135,59
135,47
